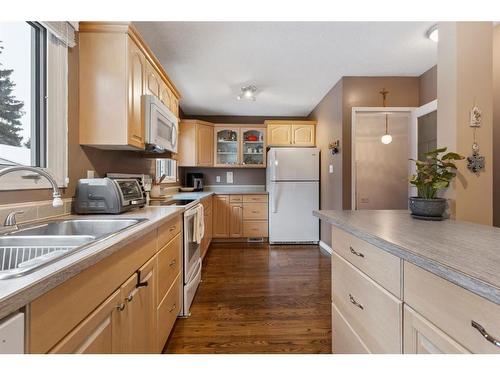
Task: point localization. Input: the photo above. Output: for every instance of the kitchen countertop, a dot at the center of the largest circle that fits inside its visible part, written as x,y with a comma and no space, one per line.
18,292
464,253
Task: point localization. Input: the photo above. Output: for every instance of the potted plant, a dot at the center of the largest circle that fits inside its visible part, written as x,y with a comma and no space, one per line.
433,174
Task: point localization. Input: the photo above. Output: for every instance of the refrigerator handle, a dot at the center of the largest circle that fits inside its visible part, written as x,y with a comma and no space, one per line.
274,197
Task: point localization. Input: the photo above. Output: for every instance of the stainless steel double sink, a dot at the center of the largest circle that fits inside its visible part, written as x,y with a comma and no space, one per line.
32,247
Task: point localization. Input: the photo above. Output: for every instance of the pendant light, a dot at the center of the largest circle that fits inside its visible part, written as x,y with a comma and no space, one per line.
386,138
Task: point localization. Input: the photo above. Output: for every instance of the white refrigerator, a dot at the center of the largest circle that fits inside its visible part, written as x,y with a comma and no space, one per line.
292,181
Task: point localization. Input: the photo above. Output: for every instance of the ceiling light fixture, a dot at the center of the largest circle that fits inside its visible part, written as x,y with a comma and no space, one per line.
247,93
433,33
386,138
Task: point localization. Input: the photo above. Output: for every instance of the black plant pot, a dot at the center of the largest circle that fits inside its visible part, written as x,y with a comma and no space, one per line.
427,209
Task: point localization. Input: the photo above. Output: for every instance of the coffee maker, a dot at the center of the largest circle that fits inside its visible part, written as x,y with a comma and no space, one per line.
195,180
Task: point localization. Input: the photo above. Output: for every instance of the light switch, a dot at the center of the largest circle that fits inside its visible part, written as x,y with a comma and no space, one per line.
229,177
330,168
217,179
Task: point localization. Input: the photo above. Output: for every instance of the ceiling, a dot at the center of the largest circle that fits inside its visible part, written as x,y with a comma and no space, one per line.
293,64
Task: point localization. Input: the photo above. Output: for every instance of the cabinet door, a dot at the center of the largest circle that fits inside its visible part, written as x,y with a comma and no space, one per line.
136,69
95,335
220,223
153,81
253,147
165,95
279,135
174,105
423,337
227,144
236,220
142,308
303,135
204,145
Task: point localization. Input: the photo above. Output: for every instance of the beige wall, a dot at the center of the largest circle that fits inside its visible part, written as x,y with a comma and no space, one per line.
496,126
465,75
81,159
427,86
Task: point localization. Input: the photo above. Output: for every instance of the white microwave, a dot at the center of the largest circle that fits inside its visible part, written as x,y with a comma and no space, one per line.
161,125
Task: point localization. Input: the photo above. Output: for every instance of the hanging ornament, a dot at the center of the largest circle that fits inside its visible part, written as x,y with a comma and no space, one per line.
475,162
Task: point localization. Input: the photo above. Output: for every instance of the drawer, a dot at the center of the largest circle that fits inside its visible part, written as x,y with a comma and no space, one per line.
372,312
257,198
344,339
255,211
169,264
167,312
255,229
168,231
452,309
381,266
235,198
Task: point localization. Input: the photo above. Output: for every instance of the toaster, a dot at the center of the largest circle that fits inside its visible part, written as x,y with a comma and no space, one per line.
108,195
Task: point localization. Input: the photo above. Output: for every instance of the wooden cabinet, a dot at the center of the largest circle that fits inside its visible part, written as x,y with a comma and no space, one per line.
423,337
207,238
221,214
196,144
97,334
239,146
236,220
111,87
291,133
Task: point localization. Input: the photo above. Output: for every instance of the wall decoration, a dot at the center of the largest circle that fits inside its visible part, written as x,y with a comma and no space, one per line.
334,147
475,162
475,117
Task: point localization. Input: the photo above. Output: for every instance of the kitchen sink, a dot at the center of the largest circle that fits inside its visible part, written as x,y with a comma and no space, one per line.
29,248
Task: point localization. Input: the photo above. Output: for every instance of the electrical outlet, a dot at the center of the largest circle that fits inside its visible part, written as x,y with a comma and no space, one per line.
217,178
229,177
330,168
365,200
90,174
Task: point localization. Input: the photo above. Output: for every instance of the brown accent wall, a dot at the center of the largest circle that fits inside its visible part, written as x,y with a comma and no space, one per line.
81,159
427,87
496,126
334,116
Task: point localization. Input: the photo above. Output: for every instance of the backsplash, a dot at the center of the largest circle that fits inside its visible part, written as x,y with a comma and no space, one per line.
33,211
241,176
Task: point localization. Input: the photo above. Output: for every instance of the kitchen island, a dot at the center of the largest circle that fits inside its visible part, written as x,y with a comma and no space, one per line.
411,286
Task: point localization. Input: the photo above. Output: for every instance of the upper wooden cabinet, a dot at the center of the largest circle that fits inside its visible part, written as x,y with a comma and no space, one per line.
291,133
240,146
116,68
196,144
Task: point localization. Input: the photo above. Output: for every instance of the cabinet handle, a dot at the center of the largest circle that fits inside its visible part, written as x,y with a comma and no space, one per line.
255,212
172,263
173,308
120,307
354,302
361,255
130,297
485,334
171,229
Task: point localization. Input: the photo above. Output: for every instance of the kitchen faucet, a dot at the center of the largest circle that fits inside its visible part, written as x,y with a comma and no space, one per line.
56,195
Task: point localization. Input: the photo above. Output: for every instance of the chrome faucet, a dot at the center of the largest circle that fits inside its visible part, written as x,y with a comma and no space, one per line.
56,195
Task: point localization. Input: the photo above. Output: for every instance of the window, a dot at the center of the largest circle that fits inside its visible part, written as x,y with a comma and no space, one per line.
22,93
167,168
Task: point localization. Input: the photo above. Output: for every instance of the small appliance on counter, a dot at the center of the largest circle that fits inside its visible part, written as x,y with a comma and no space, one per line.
195,181
108,195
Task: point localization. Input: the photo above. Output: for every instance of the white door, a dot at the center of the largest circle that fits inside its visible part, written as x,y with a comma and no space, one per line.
293,164
291,208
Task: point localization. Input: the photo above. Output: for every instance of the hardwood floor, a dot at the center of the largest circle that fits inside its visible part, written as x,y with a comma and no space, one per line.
257,298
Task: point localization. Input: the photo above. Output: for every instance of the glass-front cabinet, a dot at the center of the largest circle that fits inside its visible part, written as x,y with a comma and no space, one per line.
253,147
227,148
240,146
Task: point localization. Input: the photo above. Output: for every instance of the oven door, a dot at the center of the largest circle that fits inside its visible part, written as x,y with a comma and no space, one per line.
161,125
191,247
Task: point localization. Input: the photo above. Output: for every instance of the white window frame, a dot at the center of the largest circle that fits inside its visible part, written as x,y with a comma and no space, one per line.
56,113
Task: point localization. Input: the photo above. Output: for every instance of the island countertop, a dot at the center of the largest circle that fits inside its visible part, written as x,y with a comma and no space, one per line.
464,253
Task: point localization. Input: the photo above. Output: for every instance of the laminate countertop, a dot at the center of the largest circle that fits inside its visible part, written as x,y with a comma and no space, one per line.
464,253
18,292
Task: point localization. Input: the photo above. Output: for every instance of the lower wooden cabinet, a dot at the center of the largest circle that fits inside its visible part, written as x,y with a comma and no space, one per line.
236,220
96,334
423,337
221,215
168,310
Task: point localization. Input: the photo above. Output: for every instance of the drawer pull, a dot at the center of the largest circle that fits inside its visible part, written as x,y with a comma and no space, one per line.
354,302
172,263
120,307
485,334
173,308
171,229
361,255
255,212
130,297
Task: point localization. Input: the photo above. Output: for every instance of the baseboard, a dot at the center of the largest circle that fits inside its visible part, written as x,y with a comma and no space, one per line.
324,247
